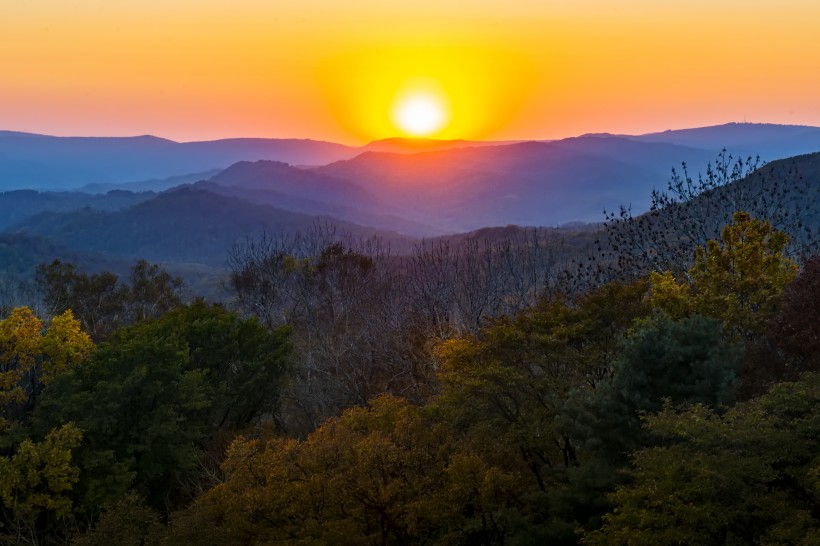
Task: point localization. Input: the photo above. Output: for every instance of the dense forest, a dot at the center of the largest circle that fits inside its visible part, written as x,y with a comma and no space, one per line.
656,383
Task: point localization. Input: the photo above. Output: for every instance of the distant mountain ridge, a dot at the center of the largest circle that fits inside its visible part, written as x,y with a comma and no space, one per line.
303,183
769,141
419,188
528,183
46,162
17,205
187,224
34,161
401,145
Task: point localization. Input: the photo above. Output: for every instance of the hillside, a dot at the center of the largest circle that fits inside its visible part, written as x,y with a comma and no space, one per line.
786,193
301,183
17,205
183,225
530,183
303,205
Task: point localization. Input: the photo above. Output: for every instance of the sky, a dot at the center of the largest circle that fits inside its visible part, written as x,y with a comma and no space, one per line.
339,70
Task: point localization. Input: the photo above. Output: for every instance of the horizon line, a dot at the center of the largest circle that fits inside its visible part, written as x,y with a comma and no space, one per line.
400,137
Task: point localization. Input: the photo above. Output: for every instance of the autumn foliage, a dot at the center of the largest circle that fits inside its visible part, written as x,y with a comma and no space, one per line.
676,408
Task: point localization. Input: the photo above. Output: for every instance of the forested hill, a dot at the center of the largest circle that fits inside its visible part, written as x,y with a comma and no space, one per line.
183,225
530,183
17,205
695,208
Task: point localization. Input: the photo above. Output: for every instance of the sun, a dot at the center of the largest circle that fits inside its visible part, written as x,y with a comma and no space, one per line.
419,114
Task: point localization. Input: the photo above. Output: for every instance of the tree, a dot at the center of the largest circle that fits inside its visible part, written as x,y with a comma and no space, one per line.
749,476
742,281
30,360
353,335
365,320
96,300
101,302
153,399
739,281
35,486
663,361
386,474
694,210
457,285
152,292
514,377
127,522
511,392
796,328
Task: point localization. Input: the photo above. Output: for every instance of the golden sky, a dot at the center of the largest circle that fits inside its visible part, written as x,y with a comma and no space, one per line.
514,69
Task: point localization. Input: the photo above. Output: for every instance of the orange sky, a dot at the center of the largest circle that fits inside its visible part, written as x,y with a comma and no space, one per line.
515,69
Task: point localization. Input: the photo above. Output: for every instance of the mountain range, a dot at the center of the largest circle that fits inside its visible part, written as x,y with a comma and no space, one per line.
32,161
188,203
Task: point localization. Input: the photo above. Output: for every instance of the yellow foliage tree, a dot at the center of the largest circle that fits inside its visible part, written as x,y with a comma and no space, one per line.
30,359
20,345
673,297
738,280
64,346
386,474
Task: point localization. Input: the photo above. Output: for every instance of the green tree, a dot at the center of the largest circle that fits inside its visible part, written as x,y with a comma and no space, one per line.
127,522
97,300
155,398
741,281
152,291
749,476
512,392
512,378
35,486
680,362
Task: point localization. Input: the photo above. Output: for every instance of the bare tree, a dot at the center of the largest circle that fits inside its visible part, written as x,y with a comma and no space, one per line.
364,320
694,210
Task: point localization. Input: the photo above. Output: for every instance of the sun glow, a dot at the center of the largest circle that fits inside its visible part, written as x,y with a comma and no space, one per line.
419,115
442,93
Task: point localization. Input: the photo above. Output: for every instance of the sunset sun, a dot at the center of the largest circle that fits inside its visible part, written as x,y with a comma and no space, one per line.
419,115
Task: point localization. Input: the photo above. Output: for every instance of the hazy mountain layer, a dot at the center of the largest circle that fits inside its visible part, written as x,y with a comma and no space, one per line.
303,205
531,183
46,162
17,205
184,225
29,161
769,141
302,183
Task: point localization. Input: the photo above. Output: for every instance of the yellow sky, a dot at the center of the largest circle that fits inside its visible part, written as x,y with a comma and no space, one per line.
202,69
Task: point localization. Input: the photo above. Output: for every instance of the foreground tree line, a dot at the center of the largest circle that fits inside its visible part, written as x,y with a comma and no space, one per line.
454,397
